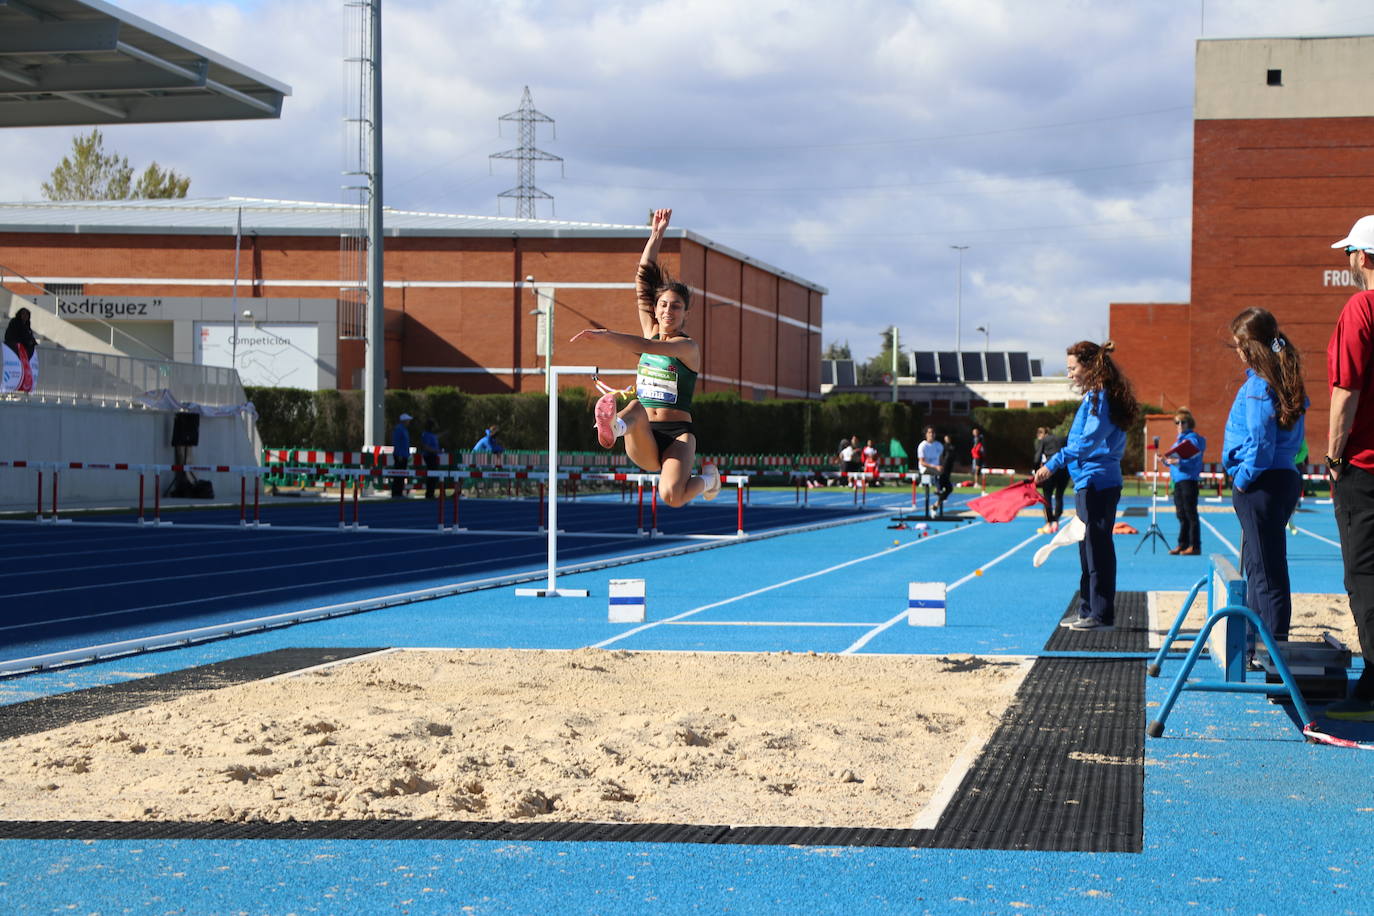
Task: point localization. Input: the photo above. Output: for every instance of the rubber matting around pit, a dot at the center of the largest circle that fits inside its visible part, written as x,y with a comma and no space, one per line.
1064,771
1131,633
47,713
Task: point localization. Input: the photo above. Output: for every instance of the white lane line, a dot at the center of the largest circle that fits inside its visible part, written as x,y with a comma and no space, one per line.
1220,537
868,637
763,623
768,588
1313,534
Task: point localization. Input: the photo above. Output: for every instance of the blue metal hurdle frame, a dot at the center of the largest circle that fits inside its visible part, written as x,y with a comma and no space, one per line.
1232,660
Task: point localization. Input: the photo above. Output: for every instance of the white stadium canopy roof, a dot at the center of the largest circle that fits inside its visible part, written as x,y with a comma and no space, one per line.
76,62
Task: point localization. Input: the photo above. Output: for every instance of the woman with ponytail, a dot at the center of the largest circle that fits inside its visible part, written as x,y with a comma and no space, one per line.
1264,432
657,425
1092,455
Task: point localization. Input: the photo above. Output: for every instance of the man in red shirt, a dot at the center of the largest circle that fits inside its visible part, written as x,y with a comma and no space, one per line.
1350,455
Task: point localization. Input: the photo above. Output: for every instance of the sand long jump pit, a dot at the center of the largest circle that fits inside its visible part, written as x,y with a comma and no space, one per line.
502,735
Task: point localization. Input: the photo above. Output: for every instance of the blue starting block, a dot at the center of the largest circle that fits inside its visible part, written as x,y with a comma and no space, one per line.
1224,635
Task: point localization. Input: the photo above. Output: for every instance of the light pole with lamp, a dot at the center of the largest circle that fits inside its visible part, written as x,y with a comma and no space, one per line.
986,336
544,330
959,301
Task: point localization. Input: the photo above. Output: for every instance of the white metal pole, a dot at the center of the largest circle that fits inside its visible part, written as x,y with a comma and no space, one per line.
552,378
959,307
551,589
234,344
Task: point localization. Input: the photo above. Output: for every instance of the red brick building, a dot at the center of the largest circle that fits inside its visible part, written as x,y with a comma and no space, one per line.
458,302
1283,137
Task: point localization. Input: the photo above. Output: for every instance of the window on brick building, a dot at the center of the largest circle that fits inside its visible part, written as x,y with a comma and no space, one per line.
1274,78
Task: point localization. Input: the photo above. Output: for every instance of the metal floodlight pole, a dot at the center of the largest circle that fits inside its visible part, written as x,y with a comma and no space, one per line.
959,302
552,590
374,371
895,349
234,300
987,337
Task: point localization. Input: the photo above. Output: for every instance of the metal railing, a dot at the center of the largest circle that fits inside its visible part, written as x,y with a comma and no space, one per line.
71,375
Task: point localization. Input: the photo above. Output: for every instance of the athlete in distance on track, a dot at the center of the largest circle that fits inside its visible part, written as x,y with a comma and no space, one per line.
657,424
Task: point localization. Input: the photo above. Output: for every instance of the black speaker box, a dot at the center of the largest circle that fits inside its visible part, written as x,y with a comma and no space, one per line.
186,430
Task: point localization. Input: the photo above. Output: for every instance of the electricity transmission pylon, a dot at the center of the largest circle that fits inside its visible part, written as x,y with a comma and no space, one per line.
526,155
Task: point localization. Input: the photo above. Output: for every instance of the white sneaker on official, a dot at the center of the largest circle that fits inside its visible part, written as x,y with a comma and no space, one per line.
711,474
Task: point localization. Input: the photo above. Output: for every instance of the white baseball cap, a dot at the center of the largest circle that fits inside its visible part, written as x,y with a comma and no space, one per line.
1361,235
406,416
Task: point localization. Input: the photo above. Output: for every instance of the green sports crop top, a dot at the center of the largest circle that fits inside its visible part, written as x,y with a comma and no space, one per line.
664,381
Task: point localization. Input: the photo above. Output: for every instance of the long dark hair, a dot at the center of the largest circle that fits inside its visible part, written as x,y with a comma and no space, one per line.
1268,351
653,281
1103,373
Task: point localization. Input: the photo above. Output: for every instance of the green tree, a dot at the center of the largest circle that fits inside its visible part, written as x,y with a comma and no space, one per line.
871,372
90,173
836,350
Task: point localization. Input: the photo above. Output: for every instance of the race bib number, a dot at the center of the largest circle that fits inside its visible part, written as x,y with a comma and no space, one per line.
654,384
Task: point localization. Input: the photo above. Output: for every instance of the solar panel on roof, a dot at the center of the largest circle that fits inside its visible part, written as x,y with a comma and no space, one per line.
949,366
1019,364
973,366
844,373
827,372
997,367
924,367
1035,369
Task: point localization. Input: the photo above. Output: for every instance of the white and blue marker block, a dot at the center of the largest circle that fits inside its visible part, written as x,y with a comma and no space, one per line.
925,604
627,601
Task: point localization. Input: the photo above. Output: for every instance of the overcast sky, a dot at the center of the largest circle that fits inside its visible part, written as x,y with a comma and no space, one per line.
849,143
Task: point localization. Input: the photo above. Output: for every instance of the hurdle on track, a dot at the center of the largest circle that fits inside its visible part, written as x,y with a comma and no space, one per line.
1224,635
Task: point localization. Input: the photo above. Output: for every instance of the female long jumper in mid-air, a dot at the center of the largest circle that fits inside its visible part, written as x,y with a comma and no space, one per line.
657,425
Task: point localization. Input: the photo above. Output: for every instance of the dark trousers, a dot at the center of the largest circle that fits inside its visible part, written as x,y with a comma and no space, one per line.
1185,507
1053,491
1354,498
1096,552
1263,511
431,483
398,484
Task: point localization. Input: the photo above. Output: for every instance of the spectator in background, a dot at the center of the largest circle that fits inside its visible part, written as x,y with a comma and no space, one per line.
1186,475
19,338
851,457
977,453
400,454
870,454
930,462
1046,445
946,474
18,334
489,442
429,451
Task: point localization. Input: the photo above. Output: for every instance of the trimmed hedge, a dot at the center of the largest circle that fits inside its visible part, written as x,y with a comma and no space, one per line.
333,420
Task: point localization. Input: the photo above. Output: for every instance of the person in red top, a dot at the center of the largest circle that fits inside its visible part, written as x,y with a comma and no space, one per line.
1350,455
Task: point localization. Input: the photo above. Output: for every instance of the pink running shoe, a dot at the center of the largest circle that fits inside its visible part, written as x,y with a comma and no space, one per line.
605,419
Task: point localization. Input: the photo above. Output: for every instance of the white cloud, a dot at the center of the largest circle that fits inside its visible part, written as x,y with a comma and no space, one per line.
851,144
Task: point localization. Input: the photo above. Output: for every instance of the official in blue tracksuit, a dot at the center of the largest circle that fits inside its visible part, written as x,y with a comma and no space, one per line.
1186,475
1092,455
1263,434
400,454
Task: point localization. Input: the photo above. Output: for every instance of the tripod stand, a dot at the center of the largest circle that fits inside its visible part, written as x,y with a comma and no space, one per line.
1153,531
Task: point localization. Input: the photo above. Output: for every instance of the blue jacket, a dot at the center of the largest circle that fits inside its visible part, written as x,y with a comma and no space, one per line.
400,441
1188,468
1254,443
1093,452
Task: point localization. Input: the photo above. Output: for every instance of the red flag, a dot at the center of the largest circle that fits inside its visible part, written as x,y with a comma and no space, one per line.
1003,505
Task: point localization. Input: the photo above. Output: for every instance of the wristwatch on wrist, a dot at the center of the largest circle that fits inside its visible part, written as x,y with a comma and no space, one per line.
1334,462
